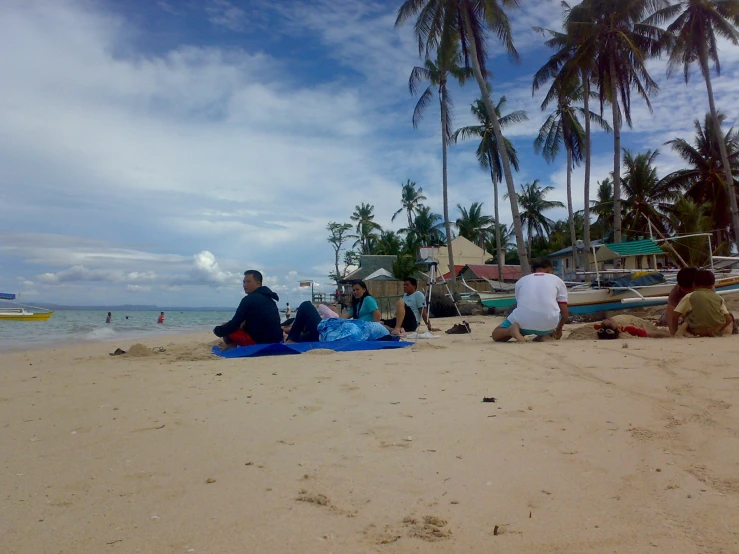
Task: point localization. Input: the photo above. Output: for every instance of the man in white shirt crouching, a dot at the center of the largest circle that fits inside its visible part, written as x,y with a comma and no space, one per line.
541,306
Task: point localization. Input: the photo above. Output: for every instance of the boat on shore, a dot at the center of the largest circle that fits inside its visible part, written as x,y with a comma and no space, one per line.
584,299
19,313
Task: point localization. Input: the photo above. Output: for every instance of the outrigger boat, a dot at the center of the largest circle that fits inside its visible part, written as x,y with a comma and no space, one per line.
648,289
19,313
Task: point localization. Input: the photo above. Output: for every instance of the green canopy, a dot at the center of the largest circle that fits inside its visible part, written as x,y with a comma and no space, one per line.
643,247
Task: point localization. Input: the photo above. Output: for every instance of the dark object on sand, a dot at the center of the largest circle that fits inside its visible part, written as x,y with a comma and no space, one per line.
117,352
459,329
489,399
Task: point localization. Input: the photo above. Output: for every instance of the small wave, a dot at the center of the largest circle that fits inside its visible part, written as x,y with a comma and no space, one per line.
101,333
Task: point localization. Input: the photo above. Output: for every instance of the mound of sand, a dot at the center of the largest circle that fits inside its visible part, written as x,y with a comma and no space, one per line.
139,351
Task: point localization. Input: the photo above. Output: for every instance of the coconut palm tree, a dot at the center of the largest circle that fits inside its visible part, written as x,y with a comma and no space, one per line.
704,179
488,155
561,66
698,25
436,73
389,243
445,24
507,238
616,40
366,227
647,198
472,225
411,199
563,128
425,231
533,203
602,207
690,218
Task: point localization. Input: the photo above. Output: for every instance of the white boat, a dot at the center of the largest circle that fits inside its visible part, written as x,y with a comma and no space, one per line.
19,313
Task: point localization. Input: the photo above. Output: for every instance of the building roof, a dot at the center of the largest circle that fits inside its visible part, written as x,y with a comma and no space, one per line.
368,265
490,272
568,251
381,274
643,247
457,270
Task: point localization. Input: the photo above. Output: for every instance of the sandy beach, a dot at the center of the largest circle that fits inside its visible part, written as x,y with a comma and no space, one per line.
613,446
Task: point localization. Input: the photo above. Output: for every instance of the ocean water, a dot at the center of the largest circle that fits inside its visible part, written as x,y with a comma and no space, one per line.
79,326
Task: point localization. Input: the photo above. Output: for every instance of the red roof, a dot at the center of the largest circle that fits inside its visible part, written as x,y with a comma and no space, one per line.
457,270
489,271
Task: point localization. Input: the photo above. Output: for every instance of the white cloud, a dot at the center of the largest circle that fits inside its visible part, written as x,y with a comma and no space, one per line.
225,14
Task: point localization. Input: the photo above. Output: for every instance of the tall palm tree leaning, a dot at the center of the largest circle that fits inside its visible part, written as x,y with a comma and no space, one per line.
411,199
563,127
693,39
436,74
446,23
615,39
489,157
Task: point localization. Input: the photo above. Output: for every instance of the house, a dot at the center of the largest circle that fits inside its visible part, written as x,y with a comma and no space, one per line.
632,255
369,265
488,272
465,253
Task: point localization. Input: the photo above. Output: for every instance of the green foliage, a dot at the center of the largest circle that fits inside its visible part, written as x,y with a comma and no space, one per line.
404,266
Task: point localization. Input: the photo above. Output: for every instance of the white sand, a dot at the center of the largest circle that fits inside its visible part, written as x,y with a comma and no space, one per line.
589,448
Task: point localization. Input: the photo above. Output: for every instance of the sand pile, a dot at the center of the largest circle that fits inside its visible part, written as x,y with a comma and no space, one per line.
139,351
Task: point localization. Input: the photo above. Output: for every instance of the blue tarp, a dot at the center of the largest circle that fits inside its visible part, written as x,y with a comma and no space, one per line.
280,349
7,296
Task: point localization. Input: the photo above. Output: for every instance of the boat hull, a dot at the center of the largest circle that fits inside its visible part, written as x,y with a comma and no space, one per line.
27,316
601,300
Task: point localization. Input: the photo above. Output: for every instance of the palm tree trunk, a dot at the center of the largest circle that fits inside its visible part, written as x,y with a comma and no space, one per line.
447,223
586,186
570,211
493,118
616,158
722,148
498,239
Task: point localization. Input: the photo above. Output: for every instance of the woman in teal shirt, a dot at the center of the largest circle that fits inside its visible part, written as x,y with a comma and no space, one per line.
364,306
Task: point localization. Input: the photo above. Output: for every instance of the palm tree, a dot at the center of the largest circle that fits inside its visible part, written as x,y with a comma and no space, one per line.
446,23
425,231
488,155
695,32
501,241
533,203
648,198
615,39
690,218
560,66
472,225
388,244
410,200
366,226
602,206
563,127
436,74
704,180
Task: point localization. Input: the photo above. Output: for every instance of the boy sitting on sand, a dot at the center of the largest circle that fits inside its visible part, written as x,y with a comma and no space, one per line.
541,306
704,311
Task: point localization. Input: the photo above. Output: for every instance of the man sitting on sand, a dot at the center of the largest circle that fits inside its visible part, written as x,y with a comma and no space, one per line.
541,306
410,310
704,311
257,319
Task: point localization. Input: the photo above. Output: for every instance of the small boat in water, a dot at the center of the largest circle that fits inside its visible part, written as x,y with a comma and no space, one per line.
19,313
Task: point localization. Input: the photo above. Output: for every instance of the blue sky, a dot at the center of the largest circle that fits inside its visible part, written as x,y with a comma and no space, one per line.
151,151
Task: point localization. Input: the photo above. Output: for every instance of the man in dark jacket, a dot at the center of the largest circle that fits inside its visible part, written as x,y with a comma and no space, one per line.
257,319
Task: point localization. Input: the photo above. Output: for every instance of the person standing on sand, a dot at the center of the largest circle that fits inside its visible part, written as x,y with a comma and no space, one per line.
107,319
541,306
160,321
287,310
257,319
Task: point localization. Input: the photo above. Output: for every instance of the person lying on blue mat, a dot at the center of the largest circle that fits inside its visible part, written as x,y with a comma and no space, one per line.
308,326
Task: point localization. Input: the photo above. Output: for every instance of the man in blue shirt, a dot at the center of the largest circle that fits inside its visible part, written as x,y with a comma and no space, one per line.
410,310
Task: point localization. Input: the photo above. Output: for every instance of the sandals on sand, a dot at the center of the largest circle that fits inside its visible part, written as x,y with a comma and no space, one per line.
459,329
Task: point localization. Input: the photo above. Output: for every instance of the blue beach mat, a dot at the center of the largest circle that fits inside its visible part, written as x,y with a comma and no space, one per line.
281,349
